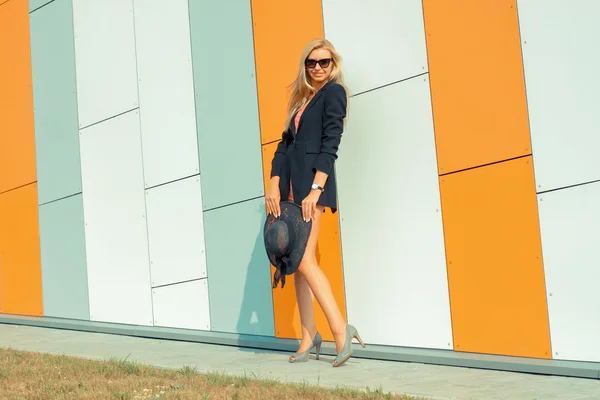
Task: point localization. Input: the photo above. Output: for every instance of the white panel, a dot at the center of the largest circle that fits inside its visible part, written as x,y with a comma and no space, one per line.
115,221
176,232
380,41
184,305
570,228
396,284
105,59
561,60
166,87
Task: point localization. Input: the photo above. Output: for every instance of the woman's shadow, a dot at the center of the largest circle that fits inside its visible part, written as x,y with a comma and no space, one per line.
256,321
257,315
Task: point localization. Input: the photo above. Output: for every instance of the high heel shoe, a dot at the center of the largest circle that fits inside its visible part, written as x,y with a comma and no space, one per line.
346,351
303,357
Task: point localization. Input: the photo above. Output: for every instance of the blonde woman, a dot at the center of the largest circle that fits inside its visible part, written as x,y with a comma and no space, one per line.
303,172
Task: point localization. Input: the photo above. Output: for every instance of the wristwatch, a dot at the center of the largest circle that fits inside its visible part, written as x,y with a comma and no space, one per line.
317,187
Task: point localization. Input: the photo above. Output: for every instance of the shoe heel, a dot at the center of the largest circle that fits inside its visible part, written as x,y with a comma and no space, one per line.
318,350
357,337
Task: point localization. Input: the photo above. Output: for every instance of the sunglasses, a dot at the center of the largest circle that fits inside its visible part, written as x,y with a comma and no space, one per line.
324,63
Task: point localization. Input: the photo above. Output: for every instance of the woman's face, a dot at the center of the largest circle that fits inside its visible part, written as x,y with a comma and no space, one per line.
319,65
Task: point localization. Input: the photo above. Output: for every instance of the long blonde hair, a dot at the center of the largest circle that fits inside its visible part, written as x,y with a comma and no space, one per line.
301,88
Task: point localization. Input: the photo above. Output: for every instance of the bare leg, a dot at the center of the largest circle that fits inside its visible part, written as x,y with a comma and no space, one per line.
319,285
305,299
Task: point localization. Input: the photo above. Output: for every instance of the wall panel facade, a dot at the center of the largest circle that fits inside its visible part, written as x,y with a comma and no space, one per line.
396,286
184,305
152,127
570,226
393,33
63,256
562,90
20,271
55,101
494,256
176,232
17,142
35,4
226,102
115,221
238,269
107,83
166,91
477,83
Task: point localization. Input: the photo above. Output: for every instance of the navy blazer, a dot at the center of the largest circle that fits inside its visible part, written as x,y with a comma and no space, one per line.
314,147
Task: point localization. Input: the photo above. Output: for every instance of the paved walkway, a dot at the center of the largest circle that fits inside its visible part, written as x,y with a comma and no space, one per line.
433,382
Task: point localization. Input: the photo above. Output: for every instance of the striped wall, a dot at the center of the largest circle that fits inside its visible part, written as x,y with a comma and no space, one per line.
135,155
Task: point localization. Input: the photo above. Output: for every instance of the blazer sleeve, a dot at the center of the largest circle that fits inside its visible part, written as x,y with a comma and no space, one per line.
279,157
333,126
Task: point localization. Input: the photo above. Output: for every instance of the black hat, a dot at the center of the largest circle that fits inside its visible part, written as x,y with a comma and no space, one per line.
285,239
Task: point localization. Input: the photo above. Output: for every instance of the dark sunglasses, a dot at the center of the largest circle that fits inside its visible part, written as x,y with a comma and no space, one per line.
324,63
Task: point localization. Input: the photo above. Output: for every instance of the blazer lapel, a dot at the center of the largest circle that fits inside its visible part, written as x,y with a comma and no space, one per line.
310,104
293,125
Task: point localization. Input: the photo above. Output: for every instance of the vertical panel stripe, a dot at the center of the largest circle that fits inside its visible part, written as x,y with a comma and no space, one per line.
61,223
17,143
493,246
20,271
281,31
477,83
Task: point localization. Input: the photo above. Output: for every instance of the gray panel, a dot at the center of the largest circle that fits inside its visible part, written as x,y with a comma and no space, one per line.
226,102
35,4
64,272
570,228
239,281
55,101
561,68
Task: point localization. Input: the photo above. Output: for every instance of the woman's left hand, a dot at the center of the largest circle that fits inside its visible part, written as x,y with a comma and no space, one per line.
309,205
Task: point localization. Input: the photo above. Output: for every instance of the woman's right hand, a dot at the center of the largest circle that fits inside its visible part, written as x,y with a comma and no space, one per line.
273,197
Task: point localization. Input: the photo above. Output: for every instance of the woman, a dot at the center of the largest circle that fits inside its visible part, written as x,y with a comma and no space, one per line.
302,172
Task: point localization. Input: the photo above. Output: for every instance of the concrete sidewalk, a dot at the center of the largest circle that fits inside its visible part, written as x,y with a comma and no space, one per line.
430,381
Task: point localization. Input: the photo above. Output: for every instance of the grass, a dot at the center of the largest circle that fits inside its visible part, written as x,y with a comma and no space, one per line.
26,375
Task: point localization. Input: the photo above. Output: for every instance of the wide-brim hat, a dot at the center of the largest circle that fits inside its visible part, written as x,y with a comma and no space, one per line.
286,237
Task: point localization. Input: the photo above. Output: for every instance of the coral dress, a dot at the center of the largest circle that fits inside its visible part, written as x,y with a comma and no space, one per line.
296,122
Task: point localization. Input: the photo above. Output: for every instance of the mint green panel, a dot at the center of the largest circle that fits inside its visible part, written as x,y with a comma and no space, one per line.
226,102
35,4
239,280
64,270
55,101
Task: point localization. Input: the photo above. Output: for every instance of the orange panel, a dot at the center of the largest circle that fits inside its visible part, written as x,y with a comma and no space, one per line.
329,256
477,82
20,265
17,142
281,31
494,255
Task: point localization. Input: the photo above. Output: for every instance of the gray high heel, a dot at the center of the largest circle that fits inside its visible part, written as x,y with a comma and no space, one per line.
346,351
303,357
